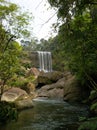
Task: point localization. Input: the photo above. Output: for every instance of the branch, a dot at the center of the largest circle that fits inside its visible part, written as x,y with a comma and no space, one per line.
39,4
12,36
49,19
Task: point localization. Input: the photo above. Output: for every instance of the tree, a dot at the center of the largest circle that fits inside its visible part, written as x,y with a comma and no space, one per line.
14,21
9,63
68,8
77,37
13,25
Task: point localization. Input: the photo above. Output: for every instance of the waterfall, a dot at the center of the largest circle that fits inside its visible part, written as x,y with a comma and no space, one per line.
45,61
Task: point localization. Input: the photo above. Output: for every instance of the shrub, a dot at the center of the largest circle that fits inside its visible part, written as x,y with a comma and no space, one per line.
90,124
8,112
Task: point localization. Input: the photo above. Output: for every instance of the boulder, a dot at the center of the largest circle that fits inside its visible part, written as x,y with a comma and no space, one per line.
18,96
33,71
30,88
66,88
22,104
53,91
49,77
72,91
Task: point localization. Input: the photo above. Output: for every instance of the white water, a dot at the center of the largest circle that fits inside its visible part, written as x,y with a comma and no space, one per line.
45,61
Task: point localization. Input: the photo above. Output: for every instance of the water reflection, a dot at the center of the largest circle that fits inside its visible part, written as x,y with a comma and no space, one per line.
48,115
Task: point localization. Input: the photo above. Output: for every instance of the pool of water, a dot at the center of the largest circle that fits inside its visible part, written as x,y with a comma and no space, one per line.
48,115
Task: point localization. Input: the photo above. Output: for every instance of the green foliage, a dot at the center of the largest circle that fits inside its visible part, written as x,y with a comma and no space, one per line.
15,21
20,81
17,81
91,124
70,8
14,24
8,112
93,106
6,8
93,95
75,46
82,118
9,61
82,50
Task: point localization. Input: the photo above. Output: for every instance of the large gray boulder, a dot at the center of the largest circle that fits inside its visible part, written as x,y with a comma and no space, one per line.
17,96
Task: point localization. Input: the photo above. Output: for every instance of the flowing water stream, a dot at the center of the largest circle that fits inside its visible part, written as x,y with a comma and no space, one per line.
48,115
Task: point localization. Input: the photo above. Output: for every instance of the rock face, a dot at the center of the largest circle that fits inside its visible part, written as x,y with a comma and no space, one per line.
18,96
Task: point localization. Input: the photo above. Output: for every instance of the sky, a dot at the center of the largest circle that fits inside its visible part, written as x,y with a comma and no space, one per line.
40,9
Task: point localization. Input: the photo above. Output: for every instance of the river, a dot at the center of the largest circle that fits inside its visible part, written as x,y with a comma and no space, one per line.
48,115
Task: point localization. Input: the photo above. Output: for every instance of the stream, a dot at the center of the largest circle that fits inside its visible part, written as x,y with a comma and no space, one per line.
48,115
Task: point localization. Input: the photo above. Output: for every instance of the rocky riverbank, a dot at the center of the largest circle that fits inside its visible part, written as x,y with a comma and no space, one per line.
52,85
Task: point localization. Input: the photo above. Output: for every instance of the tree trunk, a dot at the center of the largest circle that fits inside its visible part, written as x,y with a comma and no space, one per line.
2,89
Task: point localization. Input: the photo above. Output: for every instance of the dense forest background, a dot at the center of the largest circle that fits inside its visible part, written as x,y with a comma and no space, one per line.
73,49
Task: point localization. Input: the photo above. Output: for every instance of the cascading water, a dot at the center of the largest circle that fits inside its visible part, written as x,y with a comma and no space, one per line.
45,61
